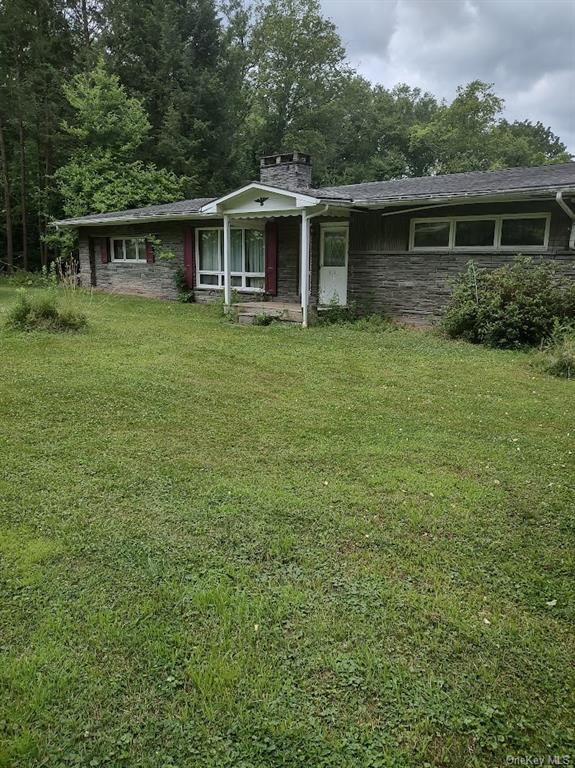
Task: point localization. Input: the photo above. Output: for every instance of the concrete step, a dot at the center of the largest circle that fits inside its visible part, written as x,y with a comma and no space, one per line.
248,311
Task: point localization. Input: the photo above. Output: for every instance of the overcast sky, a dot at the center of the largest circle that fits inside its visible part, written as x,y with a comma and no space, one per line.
525,47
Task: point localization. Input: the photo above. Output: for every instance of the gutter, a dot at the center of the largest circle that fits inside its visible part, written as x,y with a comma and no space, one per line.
466,197
132,220
570,212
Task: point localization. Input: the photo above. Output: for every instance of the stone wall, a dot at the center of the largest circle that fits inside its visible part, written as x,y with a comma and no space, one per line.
156,280
384,276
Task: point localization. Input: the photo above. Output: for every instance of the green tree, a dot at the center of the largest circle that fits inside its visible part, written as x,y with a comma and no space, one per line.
36,55
526,143
169,54
470,135
460,135
297,70
108,128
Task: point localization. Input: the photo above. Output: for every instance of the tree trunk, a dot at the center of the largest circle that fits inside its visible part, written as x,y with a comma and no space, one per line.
23,196
85,24
7,205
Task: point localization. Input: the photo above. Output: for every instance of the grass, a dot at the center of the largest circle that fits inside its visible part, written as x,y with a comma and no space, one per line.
254,547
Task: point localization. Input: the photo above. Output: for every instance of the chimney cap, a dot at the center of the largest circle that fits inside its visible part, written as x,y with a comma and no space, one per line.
285,158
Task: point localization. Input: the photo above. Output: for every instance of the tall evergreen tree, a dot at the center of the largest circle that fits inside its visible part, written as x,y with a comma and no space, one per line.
108,127
168,52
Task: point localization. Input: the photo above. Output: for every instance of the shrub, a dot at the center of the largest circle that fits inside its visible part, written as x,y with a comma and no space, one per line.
185,294
24,279
514,306
263,319
41,313
334,313
557,355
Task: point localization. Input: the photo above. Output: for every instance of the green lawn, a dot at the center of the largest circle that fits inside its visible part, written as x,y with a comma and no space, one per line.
251,547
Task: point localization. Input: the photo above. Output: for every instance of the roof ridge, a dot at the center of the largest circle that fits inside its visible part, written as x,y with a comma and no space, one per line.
450,175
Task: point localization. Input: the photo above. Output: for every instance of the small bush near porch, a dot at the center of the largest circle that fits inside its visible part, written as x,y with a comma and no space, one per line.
263,547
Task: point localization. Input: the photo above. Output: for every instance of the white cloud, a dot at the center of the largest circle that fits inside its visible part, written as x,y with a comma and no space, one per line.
525,47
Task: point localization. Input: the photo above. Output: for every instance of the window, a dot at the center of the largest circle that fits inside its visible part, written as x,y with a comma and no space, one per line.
514,231
334,247
129,249
523,232
474,233
431,234
247,259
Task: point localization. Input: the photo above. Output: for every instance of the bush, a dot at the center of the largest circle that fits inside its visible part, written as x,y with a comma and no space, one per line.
41,313
514,306
24,279
263,319
335,314
558,352
185,294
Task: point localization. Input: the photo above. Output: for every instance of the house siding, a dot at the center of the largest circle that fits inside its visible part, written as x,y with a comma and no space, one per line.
156,280
384,276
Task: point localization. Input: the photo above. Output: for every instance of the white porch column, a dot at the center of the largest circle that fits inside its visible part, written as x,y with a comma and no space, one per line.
304,268
227,263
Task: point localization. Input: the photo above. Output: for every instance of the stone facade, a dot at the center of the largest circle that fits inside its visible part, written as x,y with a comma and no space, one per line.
156,280
383,275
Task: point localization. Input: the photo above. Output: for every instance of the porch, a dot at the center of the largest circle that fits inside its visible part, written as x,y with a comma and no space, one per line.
283,246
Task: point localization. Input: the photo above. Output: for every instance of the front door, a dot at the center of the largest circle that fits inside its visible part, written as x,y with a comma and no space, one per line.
333,264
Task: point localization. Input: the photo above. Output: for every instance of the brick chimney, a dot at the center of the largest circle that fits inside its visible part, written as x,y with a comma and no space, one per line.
289,171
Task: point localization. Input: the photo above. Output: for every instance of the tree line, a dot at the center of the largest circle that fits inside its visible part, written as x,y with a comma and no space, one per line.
109,104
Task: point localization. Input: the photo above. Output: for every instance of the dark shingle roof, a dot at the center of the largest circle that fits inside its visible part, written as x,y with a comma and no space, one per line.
454,184
180,208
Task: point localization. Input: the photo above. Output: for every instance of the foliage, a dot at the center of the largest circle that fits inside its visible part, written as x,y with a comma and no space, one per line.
459,136
40,312
298,63
331,549
24,279
104,115
161,252
103,174
334,313
513,306
470,135
185,293
262,319
62,242
557,355
126,103
374,323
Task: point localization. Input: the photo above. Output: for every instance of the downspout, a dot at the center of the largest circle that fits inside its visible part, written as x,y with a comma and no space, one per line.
570,212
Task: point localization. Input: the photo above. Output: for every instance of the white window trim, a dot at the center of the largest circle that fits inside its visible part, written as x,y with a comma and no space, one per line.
498,219
219,272
141,246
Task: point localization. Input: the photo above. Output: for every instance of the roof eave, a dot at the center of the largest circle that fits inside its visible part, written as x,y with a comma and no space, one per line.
465,197
94,222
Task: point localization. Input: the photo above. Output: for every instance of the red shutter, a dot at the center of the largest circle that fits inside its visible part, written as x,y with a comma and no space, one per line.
150,255
272,257
104,250
189,256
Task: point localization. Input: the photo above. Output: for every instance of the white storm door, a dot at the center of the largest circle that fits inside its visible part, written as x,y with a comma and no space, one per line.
333,264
